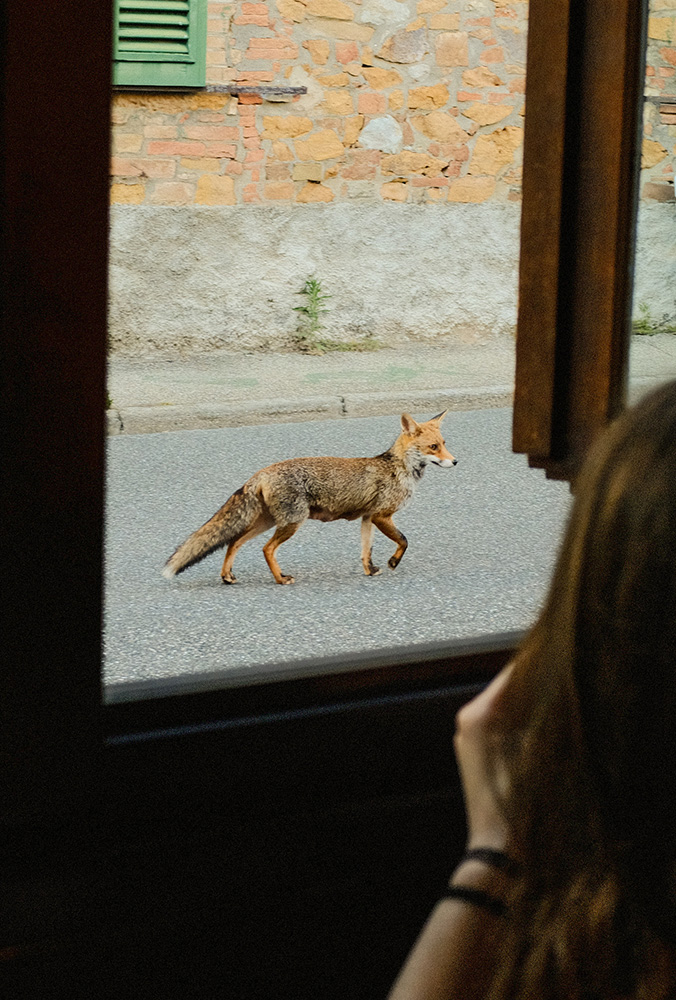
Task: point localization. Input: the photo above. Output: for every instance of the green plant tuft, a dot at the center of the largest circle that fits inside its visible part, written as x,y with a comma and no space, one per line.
310,326
646,326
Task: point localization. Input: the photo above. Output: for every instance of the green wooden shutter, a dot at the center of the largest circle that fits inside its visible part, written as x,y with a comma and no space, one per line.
160,43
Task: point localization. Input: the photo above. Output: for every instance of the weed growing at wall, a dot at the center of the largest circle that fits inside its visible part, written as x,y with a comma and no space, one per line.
646,325
310,326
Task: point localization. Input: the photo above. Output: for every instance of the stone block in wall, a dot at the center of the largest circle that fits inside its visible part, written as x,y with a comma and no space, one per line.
481,76
285,126
405,46
383,133
452,49
319,50
127,194
381,79
471,189
353,128
440,125
292,10
315,194
488,114
428,98
215,190
324,145
494,151
408,162
307,172
330,8
394,191
652,153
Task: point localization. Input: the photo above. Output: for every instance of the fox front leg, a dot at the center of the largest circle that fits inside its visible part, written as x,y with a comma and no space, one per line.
389,528
281,535
367,547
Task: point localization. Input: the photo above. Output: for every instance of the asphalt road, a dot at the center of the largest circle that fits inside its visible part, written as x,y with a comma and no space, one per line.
482,540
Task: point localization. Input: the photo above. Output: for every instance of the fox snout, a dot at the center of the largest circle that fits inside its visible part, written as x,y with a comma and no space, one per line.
445,463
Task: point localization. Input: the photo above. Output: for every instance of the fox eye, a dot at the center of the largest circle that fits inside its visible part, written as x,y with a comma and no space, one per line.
434,447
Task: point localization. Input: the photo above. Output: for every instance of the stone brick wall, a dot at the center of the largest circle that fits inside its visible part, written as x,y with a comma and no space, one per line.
659,143
407,101
395,177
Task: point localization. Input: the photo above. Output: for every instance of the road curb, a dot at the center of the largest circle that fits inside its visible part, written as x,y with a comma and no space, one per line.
200,416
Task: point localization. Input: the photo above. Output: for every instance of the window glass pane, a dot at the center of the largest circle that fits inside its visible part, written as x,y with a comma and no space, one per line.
323,239
653,349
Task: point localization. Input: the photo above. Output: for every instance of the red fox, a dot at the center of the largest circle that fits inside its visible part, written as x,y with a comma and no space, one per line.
287,493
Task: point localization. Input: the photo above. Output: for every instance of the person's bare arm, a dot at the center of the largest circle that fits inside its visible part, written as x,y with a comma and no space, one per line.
454,956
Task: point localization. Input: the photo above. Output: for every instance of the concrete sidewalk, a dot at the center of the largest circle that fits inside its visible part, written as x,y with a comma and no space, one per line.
226,389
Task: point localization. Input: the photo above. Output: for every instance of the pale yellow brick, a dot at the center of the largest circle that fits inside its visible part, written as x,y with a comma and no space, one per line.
652,153
171,193
127,194
428,98
353,127
279,191
285,126
281,151
330,8
471,189
215,190
408,162
430,6
495,151
307,172
314,193
205,164
120,116
381,79
396,100
325,145
662,29
394,191
127,142
348,31
318,49
334,80
481,77
292,10
488,114
445,22
441,126
338,102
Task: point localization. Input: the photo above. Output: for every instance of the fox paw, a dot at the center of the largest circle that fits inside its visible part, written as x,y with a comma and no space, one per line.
229,578
393,562
286,579
373,570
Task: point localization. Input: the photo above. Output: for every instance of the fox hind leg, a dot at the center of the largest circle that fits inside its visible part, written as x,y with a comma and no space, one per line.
261,524
281,535
389,528
367,547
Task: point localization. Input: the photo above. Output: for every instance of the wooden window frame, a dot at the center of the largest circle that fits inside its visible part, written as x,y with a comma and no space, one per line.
156,67
205,803
585,79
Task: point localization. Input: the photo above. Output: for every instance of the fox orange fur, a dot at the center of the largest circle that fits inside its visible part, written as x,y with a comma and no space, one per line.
286,494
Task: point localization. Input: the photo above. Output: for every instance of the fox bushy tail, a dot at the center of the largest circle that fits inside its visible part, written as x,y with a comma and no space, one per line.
234,518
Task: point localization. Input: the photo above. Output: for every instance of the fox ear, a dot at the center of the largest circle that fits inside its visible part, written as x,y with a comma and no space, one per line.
439,417
408,423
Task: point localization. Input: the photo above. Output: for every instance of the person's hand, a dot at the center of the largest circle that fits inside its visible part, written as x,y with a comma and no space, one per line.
481,726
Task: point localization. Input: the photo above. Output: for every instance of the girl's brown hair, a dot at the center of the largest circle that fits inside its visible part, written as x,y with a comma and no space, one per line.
593,804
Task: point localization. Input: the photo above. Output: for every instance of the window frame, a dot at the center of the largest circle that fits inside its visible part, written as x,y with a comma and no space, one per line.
355,746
